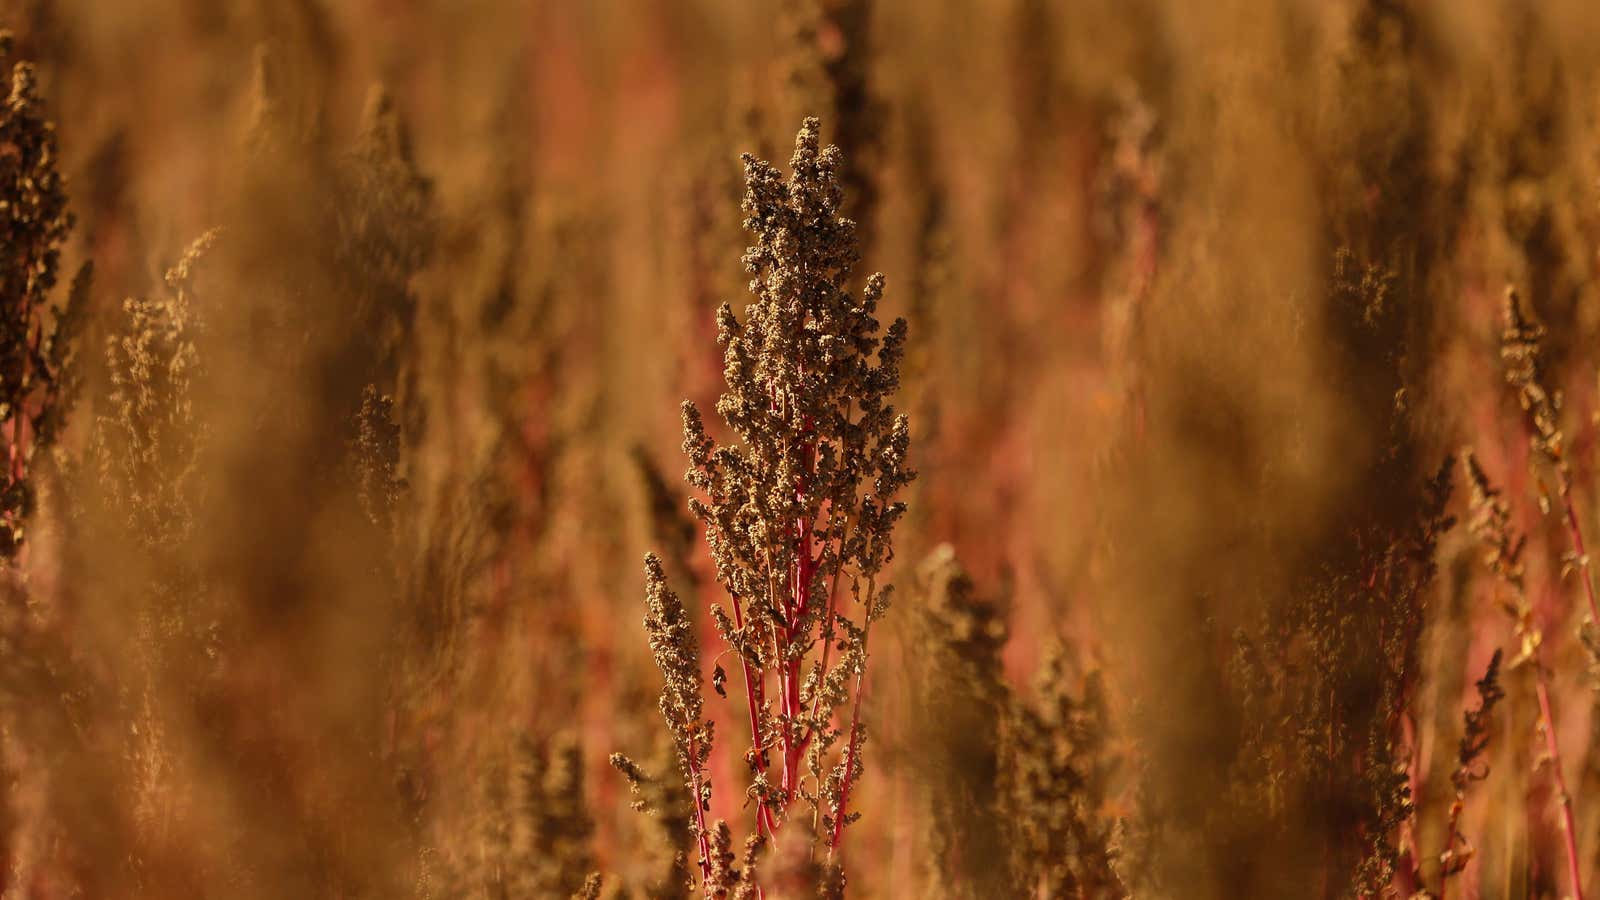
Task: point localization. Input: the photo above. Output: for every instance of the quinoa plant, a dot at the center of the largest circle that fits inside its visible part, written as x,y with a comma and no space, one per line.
146,446
1491,524
1476,725
1522,358
798,511
956,744
35,335
1015,783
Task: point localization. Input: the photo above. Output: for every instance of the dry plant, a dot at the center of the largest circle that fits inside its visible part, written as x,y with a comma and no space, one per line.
956,743
309,549
1491,524
35,383
1476,724
1017,787
1521,356
801,506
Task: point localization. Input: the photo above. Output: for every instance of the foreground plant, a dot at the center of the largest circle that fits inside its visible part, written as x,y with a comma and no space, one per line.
798,513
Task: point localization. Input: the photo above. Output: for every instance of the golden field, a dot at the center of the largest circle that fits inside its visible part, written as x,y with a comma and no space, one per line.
1223,496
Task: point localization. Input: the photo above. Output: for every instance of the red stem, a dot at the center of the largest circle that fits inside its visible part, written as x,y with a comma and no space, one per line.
1575,533
849,770
752,697
800,576
855,731
696,777
1569,828
826,635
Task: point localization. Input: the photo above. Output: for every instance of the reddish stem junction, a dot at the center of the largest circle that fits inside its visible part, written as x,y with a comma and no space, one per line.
796,727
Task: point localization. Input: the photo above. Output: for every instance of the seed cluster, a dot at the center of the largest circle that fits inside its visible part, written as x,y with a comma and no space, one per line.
798,509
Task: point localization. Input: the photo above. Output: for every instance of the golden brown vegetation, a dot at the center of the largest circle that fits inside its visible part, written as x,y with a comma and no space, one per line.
1245,375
